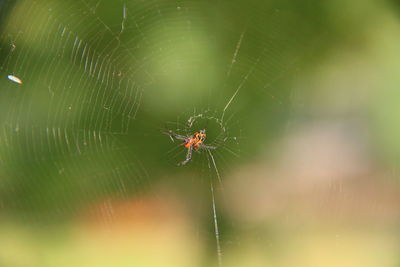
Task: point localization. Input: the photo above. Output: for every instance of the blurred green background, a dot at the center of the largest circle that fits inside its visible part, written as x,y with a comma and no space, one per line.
300,99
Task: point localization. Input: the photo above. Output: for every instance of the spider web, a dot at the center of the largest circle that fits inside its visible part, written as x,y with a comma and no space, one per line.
98,77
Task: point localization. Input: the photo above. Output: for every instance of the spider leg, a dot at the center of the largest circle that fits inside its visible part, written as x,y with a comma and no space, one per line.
179,137
203,146
188,156
172,135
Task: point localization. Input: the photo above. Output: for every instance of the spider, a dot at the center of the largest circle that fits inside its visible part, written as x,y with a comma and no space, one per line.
195,141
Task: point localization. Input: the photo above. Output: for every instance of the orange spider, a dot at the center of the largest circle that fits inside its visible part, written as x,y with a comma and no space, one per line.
195,141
